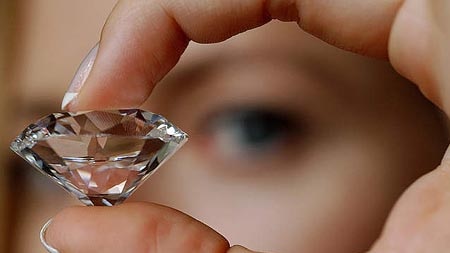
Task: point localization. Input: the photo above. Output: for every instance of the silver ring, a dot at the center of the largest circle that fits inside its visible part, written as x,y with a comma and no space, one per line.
49,248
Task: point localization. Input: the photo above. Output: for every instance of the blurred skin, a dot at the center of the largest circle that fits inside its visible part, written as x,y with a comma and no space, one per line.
325,182
324,185
415,224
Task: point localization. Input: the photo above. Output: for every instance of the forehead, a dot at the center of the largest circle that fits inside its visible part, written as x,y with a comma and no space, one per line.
279,42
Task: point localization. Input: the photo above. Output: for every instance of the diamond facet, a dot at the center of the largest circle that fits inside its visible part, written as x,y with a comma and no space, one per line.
100,157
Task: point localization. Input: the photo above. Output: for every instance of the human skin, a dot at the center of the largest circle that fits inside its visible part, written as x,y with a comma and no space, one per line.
332,182
410,228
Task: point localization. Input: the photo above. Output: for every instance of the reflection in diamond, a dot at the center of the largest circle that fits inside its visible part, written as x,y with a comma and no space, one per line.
99,156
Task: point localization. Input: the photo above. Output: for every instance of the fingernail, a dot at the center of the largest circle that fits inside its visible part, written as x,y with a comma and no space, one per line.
80,78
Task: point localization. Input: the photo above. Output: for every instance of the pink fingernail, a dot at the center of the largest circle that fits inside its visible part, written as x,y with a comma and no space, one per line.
80,78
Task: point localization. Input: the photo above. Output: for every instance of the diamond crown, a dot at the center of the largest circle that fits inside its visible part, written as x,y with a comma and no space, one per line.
100,157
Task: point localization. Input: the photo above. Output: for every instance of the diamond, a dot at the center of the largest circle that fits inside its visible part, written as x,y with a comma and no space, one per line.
100,157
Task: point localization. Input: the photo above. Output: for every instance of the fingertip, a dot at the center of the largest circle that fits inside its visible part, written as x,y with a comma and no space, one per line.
55,234
240,249
413,48
132,227
134,54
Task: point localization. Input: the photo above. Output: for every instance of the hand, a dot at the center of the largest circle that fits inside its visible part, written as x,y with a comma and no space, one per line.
134,227
413,34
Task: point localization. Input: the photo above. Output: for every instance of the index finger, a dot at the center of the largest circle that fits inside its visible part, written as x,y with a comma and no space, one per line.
143,39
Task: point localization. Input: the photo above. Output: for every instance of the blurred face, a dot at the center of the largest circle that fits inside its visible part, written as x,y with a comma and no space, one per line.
295,146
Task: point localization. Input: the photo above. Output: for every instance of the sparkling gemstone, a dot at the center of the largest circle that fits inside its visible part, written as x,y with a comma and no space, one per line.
101,157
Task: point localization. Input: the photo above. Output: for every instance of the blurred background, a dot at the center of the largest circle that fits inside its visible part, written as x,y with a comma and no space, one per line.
41,44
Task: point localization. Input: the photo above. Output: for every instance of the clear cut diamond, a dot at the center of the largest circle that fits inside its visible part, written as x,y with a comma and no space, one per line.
101,157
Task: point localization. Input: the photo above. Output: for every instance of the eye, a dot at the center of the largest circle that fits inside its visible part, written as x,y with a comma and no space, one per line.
252,133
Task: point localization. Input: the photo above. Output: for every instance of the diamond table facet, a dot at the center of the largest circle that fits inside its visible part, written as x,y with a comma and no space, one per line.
100,157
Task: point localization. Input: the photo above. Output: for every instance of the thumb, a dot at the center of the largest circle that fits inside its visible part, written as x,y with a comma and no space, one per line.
133,227
240,249
419,221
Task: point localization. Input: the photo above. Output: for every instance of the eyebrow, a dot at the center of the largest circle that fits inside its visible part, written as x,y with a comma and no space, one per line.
311,64
210,63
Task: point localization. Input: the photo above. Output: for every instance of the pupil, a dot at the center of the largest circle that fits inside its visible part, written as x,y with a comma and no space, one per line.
258,127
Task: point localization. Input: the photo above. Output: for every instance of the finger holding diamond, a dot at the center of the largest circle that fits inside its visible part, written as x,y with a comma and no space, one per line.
143,39
133,227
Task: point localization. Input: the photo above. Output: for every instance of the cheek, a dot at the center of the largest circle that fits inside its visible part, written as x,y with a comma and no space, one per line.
333,199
